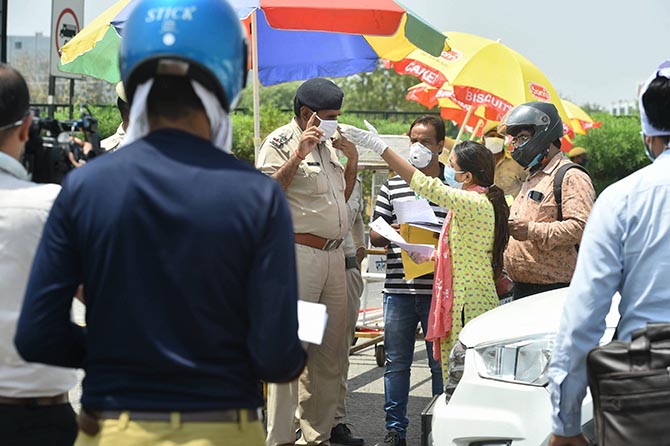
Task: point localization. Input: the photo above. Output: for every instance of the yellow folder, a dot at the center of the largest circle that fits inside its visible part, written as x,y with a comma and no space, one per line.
415,234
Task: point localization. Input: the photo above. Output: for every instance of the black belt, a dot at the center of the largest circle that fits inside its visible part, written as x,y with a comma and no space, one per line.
35,401
230,415
351,262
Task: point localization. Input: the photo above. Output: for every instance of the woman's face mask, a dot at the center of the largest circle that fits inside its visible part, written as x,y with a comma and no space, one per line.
329,128
450,177
420,156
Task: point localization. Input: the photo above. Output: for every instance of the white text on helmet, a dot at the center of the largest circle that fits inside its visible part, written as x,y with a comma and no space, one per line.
170,13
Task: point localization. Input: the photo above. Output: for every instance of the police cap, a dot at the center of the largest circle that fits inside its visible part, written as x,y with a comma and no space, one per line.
318,94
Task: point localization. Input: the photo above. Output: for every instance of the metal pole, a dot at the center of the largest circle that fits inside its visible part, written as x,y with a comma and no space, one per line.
255,84
3,34
71,99
51,96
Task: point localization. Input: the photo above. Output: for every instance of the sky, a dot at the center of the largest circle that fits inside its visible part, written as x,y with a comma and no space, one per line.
592,51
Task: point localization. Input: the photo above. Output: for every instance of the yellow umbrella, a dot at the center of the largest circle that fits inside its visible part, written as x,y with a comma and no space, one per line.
450,107
580,120
485,73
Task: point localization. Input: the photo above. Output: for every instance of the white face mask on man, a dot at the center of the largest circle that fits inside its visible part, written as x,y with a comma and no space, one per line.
420,156
329,128
494,144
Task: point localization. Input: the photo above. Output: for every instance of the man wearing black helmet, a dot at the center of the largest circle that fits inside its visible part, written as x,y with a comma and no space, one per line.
542,250
185,253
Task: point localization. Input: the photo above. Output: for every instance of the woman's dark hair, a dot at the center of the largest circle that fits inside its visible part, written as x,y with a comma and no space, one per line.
475,158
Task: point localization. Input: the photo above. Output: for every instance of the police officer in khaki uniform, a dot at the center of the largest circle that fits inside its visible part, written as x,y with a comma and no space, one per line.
354,253
302,158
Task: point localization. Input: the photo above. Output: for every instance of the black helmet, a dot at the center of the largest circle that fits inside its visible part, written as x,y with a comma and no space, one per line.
547,127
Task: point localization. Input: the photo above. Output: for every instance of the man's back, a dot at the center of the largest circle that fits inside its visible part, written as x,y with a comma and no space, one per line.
634,215
187,262
24,207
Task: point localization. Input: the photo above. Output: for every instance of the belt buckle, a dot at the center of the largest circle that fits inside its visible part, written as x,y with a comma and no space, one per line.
332,244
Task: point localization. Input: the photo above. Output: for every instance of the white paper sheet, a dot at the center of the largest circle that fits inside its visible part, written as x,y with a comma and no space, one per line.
312,318
414,211
385,230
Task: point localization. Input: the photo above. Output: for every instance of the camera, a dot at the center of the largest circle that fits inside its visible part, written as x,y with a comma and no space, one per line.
50,153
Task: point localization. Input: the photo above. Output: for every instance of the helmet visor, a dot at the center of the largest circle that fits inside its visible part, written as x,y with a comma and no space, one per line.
523,115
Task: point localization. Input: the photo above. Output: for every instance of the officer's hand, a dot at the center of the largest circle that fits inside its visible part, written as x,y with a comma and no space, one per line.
396,226
575,440
310,137
367,139
518,229
347,147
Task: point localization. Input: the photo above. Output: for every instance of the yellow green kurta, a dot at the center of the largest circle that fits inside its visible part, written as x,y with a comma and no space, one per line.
471,236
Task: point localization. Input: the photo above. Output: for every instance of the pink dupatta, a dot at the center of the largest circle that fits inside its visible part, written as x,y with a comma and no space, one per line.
440,320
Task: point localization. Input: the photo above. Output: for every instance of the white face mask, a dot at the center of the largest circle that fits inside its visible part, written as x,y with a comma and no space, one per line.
420,156
495,145
329,128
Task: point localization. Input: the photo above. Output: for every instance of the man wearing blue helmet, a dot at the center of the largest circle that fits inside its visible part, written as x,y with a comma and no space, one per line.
185,253
303,159
542,249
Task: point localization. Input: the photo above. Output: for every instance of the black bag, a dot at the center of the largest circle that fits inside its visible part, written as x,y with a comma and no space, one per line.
630,386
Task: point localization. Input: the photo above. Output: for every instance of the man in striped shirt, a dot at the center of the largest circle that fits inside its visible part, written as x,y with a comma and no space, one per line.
406,303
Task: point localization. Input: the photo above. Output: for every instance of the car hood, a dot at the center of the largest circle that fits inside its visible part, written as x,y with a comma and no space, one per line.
537,314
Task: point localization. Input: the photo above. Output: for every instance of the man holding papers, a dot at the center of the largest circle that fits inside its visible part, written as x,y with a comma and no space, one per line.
407,303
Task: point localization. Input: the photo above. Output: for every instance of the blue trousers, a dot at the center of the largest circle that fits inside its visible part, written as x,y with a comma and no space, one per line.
402,314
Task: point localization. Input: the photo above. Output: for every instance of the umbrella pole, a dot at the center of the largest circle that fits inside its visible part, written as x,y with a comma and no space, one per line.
471,108
480,124
255,84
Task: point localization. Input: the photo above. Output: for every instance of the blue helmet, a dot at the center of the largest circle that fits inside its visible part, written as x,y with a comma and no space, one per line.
198,39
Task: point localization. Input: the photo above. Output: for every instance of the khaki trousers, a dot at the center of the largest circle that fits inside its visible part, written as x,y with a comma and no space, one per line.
126,432
354,292
316,393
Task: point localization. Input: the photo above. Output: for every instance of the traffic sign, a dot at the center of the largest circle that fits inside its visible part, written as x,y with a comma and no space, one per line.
67,19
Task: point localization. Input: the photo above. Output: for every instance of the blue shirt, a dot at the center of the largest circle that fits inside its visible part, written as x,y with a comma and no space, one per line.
187,259
625,248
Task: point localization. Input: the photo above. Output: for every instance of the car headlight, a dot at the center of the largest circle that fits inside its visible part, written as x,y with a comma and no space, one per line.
521,360
456,366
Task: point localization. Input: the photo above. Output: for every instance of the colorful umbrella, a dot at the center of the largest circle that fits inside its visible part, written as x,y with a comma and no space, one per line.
450,107
483,72
581,121
290,39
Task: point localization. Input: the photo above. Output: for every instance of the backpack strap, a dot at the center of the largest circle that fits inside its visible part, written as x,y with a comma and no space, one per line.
558,185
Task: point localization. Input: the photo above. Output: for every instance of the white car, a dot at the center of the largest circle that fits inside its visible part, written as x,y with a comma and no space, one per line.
496,392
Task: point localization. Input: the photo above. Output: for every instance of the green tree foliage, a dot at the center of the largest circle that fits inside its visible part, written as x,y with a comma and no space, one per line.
615,150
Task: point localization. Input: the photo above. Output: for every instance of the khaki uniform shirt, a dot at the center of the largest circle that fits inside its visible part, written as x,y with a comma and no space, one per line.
112,143
549,255
509,176
316,193
355,238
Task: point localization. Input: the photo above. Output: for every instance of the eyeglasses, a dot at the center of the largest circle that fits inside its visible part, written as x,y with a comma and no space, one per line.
520,140
15,124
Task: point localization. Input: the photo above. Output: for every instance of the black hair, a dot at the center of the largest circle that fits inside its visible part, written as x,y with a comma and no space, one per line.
172,97
656,102
475,158
436,122
14,96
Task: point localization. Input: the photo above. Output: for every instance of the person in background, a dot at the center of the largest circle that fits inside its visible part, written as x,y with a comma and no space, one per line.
303,160
509,174
185,253
354,253
113,142
406,302
542,252
625,250
34,407
578,155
